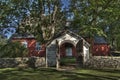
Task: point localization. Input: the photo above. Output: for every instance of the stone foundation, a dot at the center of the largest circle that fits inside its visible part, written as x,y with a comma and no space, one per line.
22,62
102,62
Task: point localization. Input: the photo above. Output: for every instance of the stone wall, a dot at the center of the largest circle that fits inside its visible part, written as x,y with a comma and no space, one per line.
22,62
102,62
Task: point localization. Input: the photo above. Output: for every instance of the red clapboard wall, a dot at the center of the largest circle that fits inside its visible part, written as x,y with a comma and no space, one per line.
31,45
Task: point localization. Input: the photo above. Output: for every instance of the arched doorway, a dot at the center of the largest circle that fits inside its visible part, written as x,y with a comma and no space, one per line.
67,50
68,54
66,44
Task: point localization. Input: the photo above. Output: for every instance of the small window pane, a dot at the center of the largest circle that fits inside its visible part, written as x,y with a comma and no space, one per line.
24,44
38,46
69,51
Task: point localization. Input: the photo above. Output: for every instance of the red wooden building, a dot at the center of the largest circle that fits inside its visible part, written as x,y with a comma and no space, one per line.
100,47
29,41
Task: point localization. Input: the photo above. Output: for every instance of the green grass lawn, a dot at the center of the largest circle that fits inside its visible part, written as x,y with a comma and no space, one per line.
52,74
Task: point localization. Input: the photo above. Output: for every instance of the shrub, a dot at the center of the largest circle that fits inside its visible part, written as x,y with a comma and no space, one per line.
67,60
12,50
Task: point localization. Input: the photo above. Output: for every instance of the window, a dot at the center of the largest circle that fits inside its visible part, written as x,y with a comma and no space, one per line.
68,51
38,46
24,44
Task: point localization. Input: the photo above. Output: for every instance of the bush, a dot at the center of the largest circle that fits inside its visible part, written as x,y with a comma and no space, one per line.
67,60
12,50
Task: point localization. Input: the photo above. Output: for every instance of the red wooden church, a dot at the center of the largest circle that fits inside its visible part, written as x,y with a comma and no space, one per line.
99,47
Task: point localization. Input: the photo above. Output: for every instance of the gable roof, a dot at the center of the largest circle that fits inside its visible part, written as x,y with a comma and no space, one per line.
100,40
67,32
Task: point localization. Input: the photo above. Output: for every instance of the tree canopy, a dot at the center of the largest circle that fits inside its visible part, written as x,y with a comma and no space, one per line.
44,18
101,18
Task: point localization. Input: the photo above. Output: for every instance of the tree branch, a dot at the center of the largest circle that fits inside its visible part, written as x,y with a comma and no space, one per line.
54,13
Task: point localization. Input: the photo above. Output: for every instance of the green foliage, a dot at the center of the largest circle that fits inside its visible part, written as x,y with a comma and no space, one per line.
3,41
117,42
114,36
44,18
91,31
93,17
67,60
13,49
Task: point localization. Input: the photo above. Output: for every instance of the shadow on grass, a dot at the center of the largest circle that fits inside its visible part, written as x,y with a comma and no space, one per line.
53,74
108,70
27,74
83,76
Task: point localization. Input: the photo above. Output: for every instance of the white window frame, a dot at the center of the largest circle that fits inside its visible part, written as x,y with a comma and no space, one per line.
25,44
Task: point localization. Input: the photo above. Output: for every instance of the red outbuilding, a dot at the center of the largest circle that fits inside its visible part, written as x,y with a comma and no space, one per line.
100,47
29,41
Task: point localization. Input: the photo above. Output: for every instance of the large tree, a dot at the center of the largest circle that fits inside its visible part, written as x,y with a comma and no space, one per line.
101,17
45,19
11,13
92,17
40,17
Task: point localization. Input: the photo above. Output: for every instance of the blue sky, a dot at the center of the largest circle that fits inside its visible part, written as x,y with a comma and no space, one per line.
7,33
66,3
